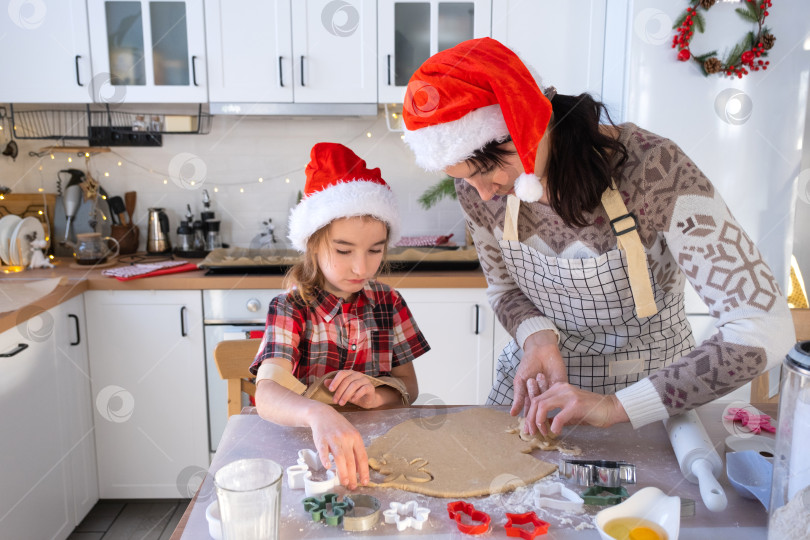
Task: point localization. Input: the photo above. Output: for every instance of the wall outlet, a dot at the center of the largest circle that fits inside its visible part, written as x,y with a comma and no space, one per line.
121,136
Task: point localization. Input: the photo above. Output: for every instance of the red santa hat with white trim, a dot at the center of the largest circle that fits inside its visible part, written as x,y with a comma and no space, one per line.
339,185
467,96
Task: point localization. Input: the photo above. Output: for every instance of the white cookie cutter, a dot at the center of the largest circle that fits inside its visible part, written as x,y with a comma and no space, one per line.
405,515
570,502
299,476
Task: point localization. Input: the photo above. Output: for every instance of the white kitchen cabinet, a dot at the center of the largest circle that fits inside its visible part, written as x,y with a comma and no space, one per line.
280,51
458,325
148,51
76,406
563,41
410,31
147,362
46,53
33,497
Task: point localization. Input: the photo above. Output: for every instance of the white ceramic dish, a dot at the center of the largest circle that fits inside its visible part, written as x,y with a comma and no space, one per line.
214,520
765,446
649,503
19,246
7,225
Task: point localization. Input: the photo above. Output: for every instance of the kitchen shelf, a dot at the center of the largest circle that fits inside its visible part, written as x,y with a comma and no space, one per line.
105,126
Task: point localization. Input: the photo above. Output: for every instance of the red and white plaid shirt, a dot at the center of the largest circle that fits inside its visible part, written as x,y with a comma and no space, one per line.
372,335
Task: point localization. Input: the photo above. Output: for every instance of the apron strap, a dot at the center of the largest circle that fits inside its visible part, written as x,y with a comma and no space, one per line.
625,225
510,232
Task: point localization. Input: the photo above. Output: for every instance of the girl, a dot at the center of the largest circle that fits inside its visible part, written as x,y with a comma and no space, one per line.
587,233
337,319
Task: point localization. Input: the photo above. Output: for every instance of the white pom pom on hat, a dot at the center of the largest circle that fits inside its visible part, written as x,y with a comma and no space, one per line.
528,187
339,185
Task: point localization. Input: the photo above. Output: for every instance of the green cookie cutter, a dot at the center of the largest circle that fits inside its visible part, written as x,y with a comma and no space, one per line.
317,508
604,496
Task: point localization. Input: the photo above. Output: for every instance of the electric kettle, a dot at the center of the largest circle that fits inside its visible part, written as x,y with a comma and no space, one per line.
157,232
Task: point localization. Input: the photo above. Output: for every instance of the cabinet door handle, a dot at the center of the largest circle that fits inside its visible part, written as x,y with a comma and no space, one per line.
78,80
477,318
302,70
78,332
20,347
183,332
389,70
194,70
281,73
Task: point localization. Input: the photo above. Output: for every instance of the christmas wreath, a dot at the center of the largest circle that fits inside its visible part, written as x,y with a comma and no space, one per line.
746,55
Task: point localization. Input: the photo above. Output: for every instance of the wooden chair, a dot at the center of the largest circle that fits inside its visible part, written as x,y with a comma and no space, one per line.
233,359
759,386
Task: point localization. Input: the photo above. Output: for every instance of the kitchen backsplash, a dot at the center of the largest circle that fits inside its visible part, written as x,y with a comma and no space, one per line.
229,162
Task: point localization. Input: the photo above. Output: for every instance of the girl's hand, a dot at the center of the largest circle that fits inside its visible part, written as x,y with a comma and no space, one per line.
576,406
354,387
540,367
334,434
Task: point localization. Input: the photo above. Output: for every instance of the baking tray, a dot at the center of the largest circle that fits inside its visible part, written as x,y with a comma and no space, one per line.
241,261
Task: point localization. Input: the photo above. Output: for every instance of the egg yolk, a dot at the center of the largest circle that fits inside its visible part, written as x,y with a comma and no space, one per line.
643,533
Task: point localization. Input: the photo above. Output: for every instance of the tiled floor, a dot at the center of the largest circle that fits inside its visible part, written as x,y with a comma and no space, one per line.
140,519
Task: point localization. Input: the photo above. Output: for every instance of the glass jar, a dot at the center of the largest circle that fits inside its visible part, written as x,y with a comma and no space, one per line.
790,487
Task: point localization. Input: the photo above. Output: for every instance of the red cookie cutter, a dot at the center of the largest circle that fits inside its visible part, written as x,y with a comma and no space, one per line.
540,526
456,508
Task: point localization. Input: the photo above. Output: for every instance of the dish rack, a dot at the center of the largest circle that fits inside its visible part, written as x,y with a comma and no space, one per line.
105,126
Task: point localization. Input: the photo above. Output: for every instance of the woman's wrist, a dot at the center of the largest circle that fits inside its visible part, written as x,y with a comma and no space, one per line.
543,338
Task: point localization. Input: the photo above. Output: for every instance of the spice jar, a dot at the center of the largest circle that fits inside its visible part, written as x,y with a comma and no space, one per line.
790,487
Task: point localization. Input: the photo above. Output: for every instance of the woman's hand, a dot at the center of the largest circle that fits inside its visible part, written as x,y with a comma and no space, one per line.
541,366
576,406
334,434
354,387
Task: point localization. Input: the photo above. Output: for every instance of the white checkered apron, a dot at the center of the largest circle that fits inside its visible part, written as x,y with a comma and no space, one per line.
604,344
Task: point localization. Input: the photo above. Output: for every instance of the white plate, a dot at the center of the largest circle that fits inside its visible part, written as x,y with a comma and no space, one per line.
7,226
19,246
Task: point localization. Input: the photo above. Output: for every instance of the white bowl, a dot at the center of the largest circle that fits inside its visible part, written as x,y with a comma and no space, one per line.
214,520
649,503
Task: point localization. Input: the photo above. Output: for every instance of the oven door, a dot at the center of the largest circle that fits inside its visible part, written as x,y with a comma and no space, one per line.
218,388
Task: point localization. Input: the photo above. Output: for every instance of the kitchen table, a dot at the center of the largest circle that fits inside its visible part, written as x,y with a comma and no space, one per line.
247,435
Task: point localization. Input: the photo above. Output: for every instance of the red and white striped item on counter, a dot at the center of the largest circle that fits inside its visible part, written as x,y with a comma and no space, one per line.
135,270
424,241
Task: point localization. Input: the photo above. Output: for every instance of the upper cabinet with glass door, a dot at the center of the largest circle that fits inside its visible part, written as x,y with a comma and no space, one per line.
410,31
147,51
46,53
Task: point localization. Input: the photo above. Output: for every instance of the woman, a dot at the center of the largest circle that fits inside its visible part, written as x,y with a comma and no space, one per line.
587,278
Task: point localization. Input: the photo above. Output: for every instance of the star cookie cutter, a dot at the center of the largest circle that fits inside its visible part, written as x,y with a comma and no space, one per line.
570,502
327,508
299,476
405,515
365,521
540,526
599,472
604,496
456,508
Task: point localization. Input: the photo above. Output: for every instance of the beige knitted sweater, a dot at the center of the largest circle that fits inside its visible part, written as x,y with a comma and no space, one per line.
688,233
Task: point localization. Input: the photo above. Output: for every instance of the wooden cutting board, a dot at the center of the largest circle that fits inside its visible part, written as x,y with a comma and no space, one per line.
38,205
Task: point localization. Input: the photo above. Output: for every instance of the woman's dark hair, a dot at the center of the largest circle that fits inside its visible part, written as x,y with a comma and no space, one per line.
582,160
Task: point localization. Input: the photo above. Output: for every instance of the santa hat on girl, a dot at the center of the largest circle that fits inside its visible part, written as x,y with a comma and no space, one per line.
339,185
465,97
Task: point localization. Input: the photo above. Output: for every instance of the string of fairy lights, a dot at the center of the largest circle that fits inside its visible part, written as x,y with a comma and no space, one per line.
392,118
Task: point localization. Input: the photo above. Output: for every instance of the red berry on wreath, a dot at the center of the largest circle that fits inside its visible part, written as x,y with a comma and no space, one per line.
747,57
684,55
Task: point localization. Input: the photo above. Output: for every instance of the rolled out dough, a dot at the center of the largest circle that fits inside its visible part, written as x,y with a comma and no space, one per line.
462,454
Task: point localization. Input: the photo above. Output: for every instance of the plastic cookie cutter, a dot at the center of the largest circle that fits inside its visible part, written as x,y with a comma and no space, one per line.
405,515
540,526
299,476
604,496
327,508
599,472
570,502
457,508
366,519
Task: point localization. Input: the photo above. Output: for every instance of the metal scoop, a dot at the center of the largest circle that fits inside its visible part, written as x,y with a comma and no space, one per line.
750,475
